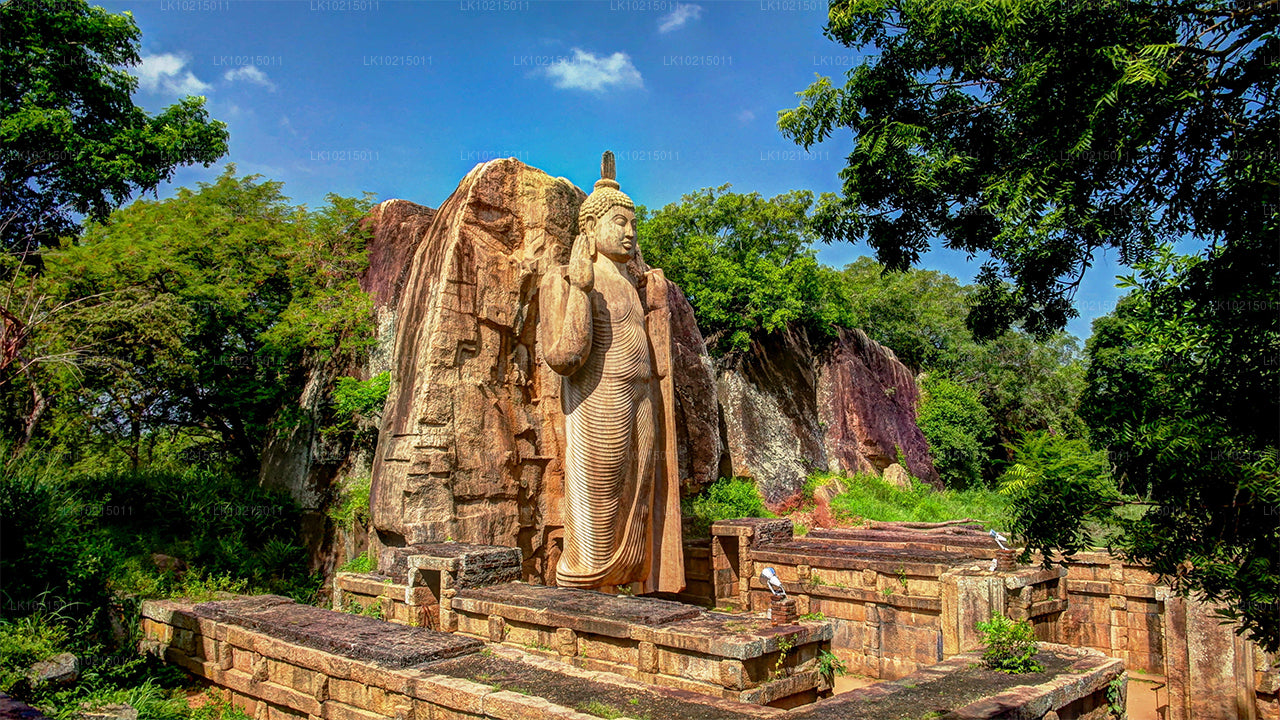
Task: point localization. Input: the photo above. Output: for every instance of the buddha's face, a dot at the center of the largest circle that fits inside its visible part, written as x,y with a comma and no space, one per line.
615,234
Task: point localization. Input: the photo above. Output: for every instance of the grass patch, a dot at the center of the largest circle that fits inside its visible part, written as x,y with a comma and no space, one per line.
600,709
867,497
725,499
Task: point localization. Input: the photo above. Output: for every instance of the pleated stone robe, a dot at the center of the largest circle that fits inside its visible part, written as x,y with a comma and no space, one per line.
622,499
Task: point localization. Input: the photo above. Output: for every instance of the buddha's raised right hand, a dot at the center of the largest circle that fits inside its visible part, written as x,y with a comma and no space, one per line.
582,273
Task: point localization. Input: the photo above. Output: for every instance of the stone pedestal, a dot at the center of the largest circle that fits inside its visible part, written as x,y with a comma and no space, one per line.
782,611
1004,560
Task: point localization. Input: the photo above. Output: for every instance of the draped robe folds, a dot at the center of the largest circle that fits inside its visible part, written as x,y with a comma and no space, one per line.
622,504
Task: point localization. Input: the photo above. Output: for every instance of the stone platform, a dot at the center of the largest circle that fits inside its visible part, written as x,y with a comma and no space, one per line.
899,601
658,642
336,666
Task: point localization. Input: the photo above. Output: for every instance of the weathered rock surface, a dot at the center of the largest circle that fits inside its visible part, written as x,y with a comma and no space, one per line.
61,669
791,408
470,448
897,476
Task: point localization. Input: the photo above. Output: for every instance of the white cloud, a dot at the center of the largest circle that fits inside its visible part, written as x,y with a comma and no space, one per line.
287,124
164,73
678,17
746,116
251,74
586,71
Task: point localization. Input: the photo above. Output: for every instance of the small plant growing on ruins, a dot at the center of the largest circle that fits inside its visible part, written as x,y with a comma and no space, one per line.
902,577
1011,646
350,511
830,666
1115,696
813,617
362,563
784,646
355,607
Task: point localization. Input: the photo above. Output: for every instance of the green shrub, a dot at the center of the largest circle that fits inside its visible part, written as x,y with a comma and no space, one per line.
725,499
363,563
1011,646
26,641
959,431
1061,493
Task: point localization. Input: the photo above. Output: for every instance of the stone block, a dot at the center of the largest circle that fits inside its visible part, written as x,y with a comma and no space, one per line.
732,675
566,642
647,658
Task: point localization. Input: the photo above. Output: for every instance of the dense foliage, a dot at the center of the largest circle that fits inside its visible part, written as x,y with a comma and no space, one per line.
177,330
1037,132
1061,492
72,143
958,428
79,551
724,248
745,263
1184,390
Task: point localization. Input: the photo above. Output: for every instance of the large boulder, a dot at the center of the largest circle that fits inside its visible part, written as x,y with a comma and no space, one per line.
844,404
471,443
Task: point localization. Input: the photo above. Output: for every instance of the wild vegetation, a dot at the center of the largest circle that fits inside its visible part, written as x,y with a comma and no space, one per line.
1037,134
149,350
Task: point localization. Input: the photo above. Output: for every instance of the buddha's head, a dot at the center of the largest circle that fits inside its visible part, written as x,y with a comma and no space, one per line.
608,216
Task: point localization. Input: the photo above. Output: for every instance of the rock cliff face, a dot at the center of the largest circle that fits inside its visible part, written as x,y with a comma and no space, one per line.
846,405
471,440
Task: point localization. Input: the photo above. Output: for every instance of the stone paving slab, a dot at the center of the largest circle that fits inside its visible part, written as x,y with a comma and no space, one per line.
510,669
351,636
561,605
961,689
914,561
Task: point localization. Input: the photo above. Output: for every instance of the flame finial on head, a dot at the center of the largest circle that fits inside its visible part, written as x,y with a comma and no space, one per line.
606,193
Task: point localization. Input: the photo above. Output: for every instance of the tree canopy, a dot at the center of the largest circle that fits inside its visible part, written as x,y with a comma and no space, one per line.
1035,133
745,262
72,143
183,323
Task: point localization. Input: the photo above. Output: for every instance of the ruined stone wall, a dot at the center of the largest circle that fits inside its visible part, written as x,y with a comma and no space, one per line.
1122,610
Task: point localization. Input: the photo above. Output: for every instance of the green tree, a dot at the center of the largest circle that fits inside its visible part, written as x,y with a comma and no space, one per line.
1061,491
959,430
1184,390
1027,384
73,142
189,319
745,263
1035,133
919,314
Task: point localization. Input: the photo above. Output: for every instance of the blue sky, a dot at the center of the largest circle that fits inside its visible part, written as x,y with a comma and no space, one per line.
402,98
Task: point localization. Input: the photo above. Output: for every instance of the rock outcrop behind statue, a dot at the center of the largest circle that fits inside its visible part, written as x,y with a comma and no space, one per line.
471,443
792,408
